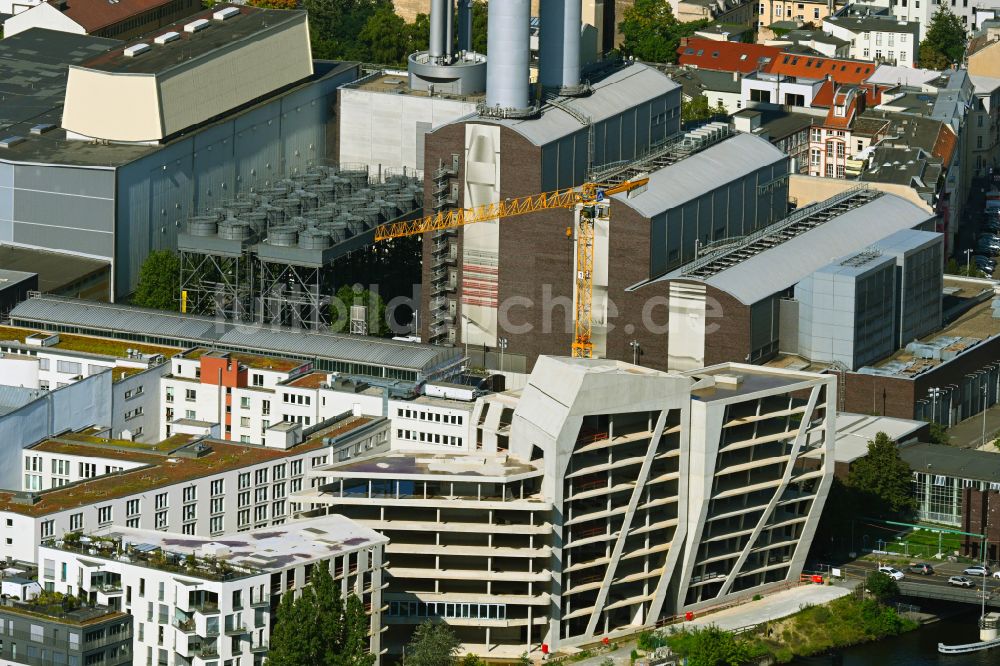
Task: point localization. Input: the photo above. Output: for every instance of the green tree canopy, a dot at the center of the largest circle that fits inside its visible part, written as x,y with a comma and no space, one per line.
159,282
699,109
945,40
881,480
385,37
881,586
348,295
711,646
480,15
319,628
651,31
432,644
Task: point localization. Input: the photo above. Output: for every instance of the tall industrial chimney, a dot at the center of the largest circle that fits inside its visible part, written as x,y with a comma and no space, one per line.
440,42
559,47
438,66
464,25
508,46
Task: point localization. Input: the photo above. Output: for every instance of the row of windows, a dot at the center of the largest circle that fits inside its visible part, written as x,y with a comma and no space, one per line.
428,437
448,610
436,417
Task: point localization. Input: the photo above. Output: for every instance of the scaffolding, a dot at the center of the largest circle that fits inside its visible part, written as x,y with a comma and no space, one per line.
268,256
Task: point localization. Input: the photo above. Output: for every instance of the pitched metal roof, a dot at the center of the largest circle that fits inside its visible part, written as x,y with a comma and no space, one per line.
196,330
764,273
623,89
703,172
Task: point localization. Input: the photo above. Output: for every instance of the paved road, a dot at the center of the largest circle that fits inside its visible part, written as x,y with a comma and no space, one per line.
938,580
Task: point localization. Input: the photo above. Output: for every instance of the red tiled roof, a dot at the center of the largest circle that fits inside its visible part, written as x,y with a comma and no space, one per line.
93,15
725,56
810,67
944,145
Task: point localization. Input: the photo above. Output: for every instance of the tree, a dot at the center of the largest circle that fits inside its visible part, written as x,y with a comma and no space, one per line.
335,26
471,660
881,586
348,295
882,480
159,282
432,644
711,646
944,44
480,21
319,628
651,31
274,4
938,434
698,109
381,37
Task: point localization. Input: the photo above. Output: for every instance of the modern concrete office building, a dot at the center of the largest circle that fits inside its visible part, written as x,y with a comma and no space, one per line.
599,500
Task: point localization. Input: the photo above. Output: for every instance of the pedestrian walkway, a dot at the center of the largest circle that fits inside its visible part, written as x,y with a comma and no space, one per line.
771,607
969,433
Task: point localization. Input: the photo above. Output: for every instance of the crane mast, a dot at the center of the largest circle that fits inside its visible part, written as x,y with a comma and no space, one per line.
592,206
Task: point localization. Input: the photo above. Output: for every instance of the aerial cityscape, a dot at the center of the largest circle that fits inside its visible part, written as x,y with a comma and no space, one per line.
461,333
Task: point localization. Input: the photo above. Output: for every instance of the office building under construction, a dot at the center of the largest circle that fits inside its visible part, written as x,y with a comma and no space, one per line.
276,255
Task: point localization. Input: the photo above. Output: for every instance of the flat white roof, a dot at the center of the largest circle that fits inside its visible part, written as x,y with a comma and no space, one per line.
267,548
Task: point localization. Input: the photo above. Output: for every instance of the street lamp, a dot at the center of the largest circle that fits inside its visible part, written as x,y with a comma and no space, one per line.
934,392
968,262
634,344
502,344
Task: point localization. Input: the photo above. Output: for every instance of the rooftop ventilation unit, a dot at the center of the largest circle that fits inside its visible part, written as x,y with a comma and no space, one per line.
227,13
195,26
42,128
136,49
11,141
167,37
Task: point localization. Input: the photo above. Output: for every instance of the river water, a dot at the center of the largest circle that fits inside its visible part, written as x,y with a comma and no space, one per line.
916,648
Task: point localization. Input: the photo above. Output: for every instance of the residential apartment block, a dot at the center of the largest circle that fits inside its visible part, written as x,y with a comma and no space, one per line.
248,394
601,499
191,485
36,634
206,601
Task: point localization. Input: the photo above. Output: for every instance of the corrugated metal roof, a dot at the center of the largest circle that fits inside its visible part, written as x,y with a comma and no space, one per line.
624,89
783,265
703,172
208,331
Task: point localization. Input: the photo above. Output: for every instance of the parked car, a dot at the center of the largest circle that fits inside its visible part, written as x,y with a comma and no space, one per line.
988,238
977,570
960,581
996,574
895,574
921,568
987,249
985,264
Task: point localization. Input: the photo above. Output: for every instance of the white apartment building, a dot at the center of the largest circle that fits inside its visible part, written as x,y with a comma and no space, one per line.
248,394
922,11
601,499
882,39
202,602
194,486
49,361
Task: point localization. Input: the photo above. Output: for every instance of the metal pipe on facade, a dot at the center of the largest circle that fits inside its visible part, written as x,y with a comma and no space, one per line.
464,25
438,29
508,46
449,29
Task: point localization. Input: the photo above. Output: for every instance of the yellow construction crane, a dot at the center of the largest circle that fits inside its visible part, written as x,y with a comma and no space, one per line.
590,197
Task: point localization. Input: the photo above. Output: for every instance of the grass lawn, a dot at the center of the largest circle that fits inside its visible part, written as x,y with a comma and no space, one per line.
925,541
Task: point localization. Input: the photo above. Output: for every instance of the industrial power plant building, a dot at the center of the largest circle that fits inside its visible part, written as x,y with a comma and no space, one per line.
122,142
599,500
